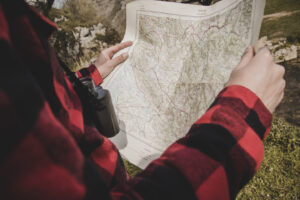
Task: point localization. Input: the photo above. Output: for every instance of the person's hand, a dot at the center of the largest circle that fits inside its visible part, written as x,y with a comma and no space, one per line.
105,62
261,75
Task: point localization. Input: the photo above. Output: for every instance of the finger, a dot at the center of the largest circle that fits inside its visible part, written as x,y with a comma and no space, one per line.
116,61
263,61
247,57
282,85
261,43
280,70
116,48
279,92
279,99
264,56
278,88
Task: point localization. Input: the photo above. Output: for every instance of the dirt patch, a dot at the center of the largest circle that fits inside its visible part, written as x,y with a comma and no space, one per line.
289,109
279,14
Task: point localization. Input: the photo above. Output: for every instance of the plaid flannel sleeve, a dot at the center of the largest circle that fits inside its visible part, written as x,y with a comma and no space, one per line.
92,72
218,156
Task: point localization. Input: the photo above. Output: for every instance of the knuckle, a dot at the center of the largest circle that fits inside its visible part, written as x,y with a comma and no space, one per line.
283,84
280,86
281,70
267,54
281,98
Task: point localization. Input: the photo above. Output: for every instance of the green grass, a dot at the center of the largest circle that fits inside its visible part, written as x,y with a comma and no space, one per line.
288,27
131,169
278,176
274,6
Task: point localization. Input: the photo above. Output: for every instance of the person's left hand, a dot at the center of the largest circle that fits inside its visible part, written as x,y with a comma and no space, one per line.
105,62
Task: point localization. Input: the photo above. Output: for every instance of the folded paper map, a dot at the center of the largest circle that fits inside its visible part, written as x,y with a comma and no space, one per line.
181,58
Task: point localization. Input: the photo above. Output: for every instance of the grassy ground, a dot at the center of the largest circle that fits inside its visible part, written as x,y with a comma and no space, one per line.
279,174
131,169
288,26
289,109
274,6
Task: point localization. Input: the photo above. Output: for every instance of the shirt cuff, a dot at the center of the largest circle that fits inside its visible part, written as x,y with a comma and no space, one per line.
248,105
92,72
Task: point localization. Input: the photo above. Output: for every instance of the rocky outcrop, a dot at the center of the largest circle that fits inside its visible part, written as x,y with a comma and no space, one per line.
80,38
113,14
281,50
88,36
84,43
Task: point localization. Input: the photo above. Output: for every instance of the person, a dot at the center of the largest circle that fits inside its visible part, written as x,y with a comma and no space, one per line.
48,152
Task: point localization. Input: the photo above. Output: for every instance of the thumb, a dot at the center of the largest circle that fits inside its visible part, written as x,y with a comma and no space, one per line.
247,57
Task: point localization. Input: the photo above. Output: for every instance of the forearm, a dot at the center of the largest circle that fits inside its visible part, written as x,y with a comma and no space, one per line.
218,156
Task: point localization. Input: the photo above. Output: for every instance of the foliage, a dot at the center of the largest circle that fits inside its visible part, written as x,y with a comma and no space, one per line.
278,176
79,13
111,36
63,42
44,6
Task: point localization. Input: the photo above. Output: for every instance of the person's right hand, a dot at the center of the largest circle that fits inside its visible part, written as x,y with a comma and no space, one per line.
262,76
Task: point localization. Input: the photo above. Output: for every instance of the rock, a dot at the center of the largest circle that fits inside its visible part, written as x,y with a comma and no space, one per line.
87,37
59,19
113,14
281,50
89,33
286,54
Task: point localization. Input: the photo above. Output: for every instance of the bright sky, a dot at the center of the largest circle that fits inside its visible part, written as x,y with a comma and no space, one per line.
58,3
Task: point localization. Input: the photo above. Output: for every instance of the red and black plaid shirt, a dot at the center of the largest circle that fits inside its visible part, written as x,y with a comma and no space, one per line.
47,152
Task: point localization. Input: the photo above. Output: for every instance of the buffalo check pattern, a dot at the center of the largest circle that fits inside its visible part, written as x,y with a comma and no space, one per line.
48,150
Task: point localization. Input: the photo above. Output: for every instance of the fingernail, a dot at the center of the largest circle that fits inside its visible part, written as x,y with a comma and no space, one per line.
125,55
